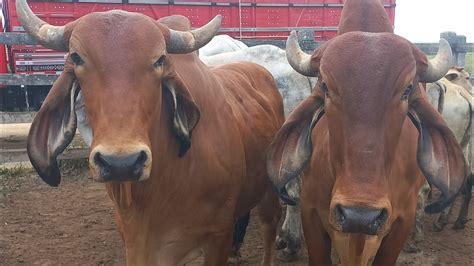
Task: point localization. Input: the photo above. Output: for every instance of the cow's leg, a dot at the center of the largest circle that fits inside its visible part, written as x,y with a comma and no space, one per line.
317,239
417,233
240,229
289,239
466,198
217,249
269,211
392,244
443,218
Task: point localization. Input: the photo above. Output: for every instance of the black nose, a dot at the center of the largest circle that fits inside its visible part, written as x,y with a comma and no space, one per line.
127,167
357,219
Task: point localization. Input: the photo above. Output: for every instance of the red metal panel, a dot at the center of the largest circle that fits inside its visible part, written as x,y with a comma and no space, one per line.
144,9
251,20
272,1
306,16
271,17
331,16
230,15
198,15
333,1
306,1
3,57
232,1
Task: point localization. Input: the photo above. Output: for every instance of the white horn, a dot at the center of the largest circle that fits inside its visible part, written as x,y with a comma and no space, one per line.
439,65
182,42
299,60
45,34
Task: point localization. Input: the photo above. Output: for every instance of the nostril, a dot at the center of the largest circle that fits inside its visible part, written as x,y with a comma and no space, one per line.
381,218
142,158
99,160
340,213
103,165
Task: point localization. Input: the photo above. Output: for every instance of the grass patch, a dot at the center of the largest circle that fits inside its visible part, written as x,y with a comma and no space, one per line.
12,172
73,165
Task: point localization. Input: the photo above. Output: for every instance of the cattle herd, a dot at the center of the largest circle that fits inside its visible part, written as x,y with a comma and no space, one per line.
351,137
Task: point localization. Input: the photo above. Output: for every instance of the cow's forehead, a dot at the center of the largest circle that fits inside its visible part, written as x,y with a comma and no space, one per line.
107,31
364,49
364,57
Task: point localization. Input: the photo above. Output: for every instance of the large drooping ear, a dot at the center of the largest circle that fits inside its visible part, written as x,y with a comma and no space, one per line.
439,155
186,114
452,76
53,128
291,149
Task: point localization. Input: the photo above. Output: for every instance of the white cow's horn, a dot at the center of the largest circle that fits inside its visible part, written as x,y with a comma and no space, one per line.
182,42
299,60
439,65
45,34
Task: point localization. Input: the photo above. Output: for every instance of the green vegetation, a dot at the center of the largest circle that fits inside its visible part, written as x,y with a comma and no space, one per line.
73,165
15,171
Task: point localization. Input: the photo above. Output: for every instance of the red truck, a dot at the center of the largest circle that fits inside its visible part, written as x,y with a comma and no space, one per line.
28,70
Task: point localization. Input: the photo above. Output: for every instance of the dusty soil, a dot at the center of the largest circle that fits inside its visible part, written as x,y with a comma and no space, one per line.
74,225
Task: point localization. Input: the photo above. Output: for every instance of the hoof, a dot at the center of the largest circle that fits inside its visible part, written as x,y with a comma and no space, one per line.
411,247
233,260
234,257
281,243
438,227
459,224
287,255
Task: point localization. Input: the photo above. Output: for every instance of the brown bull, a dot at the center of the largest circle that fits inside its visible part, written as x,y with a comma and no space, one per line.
143,101
363,141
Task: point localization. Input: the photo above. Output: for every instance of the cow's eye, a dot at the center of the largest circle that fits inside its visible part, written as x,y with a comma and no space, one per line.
406,93
324,88
76,59
160,61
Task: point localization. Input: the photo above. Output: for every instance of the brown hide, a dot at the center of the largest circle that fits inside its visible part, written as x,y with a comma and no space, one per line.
365,161
200,135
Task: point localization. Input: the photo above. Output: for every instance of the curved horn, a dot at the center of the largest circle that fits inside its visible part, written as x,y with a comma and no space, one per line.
182,42
299,60
439,65
45,34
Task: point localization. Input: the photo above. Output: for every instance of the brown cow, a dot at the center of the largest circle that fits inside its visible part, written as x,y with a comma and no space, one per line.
143,101
362,160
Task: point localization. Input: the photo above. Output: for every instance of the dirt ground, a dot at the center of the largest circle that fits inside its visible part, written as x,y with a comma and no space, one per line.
74,225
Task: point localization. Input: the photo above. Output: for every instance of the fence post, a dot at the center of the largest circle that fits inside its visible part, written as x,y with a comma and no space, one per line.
454,40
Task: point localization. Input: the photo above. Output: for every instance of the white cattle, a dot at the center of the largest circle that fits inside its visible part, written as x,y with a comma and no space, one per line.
221,44
453,97
294,87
